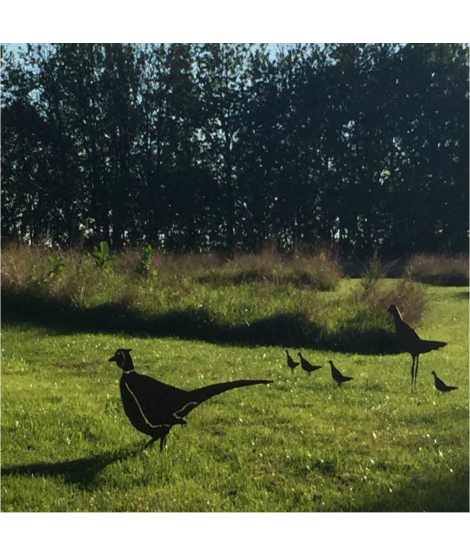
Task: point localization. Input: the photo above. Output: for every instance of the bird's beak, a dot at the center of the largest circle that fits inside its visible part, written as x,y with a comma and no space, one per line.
112,359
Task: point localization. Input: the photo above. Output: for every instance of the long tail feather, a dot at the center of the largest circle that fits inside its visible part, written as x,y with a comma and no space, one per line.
204,393
428,345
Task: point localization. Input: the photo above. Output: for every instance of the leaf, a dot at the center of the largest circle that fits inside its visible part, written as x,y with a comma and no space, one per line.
104,249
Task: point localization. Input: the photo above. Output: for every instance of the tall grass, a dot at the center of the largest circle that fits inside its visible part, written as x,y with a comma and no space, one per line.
30,265
251,299
409,296
439,270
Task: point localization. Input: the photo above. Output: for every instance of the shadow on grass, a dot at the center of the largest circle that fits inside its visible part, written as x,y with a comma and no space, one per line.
296,278
288,329
443,279
444,494
462,295
81,472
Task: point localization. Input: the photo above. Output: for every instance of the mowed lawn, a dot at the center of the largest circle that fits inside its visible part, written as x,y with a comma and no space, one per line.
299,444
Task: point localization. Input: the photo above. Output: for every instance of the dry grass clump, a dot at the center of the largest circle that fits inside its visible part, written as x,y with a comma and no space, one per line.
375,293
127,261
24,265
410,297
33,272
171,268
180,268
20,265
320,271
440,270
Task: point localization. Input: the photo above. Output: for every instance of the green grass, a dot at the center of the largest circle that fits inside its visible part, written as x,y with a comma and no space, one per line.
300,444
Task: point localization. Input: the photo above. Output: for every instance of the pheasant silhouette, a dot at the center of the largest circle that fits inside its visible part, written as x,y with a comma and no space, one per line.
306,365
153,407
440,385
290,361
409,341
338,376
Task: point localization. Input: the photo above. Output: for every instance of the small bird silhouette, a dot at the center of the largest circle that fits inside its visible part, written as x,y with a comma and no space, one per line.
306,365
290,362
154,407
338,376
440,385
409,341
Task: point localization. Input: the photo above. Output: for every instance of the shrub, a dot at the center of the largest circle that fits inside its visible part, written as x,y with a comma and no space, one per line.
102,256
320,271
146,262
56,266
439,270
407,295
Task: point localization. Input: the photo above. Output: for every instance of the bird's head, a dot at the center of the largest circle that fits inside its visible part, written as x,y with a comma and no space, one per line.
434,373
330,362
123,359
299,354
393,310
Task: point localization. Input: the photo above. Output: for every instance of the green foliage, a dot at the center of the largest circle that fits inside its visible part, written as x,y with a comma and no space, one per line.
102,256
284,165
56,266
146,262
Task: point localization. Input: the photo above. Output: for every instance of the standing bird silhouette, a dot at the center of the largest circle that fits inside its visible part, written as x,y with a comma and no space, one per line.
338,376
290,362
306,365
153,407
409,341
440,385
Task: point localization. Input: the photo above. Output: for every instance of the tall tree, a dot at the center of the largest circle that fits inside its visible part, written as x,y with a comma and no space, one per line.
226,146
222,80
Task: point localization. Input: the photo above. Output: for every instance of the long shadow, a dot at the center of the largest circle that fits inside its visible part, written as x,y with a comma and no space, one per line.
81,471
284,329
444,280
463,295
445,494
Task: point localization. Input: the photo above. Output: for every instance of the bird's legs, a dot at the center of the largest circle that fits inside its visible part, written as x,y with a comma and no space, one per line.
412,371
416,369
163,442
162,438
151,442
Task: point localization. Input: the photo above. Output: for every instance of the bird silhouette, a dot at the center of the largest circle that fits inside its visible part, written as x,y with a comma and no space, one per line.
409,341
290,362
153,407
440,385
338,376
306,365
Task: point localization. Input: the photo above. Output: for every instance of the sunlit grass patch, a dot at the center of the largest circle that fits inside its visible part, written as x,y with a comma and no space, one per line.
301,444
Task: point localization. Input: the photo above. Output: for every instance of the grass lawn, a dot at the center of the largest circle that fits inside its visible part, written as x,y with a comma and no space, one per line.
300,444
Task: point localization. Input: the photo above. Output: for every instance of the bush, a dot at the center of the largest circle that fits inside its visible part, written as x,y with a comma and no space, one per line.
102,257
56,265
439,270
320,271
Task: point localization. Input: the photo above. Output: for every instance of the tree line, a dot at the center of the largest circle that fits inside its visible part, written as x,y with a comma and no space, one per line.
225,147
